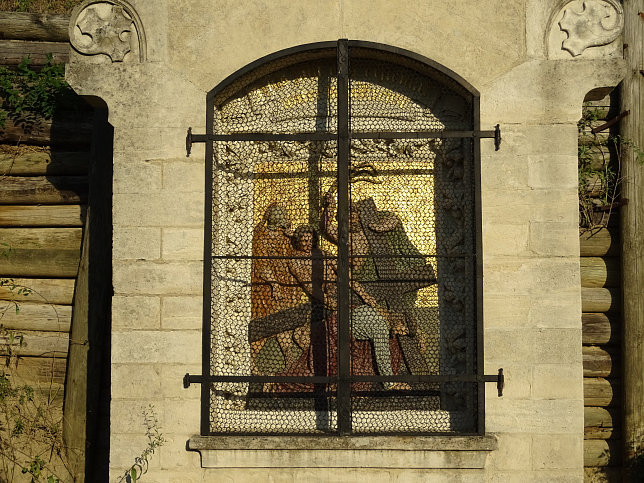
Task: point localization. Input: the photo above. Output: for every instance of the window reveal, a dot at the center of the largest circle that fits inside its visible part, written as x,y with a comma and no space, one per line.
341,267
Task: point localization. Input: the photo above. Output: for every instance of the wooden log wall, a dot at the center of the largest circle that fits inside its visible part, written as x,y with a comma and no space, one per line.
43,196
45,225
601,319
23,34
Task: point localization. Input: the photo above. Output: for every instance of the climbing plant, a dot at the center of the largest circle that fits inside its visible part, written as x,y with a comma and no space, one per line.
155,441
599,169
31,441
29,93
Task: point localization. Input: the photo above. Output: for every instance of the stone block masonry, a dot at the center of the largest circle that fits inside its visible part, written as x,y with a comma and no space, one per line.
512,54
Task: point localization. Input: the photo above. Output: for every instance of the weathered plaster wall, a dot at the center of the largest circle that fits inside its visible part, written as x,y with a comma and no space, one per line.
529,211
451,34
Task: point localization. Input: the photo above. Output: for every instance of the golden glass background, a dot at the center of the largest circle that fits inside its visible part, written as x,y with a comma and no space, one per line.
410,196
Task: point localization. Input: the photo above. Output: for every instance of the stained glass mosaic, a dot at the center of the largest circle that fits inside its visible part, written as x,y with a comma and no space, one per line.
276,251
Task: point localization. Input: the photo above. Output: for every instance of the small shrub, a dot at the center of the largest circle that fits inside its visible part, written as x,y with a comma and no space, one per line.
23,5
27,93
30,442
155,440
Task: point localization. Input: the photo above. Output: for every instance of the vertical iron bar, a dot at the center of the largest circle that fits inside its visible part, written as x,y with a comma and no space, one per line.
480,360
344,355
321,125
206,345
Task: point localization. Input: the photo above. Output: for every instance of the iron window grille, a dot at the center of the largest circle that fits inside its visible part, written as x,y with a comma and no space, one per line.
342,262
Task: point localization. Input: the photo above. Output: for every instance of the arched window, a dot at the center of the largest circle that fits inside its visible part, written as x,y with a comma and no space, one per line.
342,246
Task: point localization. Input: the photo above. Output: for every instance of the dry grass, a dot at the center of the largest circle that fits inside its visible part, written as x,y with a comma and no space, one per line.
38,6
39,408
22,149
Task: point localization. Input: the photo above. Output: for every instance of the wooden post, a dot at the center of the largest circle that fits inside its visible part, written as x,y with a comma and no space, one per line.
632,221
87,392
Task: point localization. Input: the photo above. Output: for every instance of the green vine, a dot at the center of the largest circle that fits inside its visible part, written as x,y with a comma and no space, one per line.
23,5
17,291
31,434
31,439
27,93
155,440
600,179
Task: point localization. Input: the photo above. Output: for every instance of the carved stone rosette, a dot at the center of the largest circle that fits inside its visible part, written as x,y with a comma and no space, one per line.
590,23
108,27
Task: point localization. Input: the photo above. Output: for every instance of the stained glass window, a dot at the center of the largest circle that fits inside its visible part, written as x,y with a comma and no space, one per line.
341,278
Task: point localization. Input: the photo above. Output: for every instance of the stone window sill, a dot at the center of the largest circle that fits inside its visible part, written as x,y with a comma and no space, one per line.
343,452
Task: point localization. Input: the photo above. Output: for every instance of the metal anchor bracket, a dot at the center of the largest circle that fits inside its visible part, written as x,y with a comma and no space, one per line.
193,138
500,382
499,379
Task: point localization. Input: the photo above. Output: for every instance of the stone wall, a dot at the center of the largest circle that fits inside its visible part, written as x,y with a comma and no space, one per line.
511,52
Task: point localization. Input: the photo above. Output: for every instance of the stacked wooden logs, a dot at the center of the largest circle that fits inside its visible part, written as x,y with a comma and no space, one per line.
43,192
36,36
601,301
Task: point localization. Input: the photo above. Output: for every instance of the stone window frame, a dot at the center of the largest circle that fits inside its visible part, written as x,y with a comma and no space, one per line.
221,88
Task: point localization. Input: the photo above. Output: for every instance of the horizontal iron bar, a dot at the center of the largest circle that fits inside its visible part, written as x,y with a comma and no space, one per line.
323,136
260,136
423,135
380,281
305,393
424,378
269,257
198,138
611,122
384,280
612,206
422,255
192,379
276,257
396,171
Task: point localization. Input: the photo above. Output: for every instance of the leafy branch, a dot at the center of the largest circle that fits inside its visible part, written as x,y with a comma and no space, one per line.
28,418
27,92
16,290
31,438
600,177
155,440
